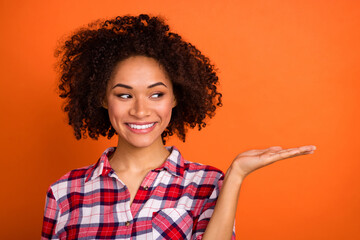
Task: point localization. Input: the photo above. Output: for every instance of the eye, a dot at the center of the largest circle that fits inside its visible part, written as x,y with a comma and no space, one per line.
157,95
124,96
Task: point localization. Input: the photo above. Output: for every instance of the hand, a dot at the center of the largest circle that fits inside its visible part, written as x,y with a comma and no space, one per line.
249,161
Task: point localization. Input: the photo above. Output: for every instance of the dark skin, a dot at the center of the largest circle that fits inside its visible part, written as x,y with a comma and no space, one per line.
222,220
140,100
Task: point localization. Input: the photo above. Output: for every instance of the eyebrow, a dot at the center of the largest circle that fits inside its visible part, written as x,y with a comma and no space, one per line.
157,84
129,87
122,85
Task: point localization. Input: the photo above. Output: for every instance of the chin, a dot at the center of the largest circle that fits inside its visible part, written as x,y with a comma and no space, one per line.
143,142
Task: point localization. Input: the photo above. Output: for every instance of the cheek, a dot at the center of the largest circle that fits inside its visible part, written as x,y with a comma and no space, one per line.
112,111
115,114
165,111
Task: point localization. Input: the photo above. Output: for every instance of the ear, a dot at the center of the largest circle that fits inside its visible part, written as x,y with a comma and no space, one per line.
104,104
174,102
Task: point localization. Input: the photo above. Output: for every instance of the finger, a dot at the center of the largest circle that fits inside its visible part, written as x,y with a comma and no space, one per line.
308,148
285,153
299,150
255,152
311,152
270,157
292,150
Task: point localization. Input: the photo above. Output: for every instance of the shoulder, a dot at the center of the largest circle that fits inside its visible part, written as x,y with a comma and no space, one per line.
205,177
72,179
75,179
192,169
198,167
202,170
75,174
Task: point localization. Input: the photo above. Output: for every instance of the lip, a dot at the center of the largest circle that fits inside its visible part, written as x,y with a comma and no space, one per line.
141,131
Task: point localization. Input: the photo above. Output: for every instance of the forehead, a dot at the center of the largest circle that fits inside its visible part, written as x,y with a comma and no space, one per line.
139,70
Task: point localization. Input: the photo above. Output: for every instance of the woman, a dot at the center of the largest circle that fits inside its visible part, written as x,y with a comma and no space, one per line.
132,77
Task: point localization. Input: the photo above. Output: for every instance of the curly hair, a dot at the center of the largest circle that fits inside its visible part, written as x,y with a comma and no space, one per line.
88,58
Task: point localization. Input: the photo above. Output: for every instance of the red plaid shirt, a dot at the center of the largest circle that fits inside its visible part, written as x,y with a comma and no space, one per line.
174,201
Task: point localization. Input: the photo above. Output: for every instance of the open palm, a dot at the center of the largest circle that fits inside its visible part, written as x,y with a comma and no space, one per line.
248,161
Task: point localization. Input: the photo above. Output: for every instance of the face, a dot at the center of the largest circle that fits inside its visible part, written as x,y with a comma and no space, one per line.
139,99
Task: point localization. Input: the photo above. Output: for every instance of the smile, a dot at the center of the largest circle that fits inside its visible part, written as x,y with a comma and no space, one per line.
143,126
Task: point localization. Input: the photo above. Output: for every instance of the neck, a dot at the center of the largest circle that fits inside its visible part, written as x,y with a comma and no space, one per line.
136,159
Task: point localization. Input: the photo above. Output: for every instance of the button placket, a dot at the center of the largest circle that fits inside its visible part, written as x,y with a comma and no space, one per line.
147,181
143,196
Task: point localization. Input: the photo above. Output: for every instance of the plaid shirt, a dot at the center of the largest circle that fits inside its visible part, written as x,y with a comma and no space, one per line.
174,201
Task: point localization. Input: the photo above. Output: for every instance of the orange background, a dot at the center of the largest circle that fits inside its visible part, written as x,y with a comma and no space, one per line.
289,73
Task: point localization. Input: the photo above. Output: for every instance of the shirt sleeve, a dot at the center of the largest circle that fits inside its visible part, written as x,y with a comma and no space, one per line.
50,216
207,212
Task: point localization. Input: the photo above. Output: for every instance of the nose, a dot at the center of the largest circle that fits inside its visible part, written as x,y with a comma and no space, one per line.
140,108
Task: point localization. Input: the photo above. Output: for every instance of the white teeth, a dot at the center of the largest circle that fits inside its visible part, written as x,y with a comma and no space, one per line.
134,126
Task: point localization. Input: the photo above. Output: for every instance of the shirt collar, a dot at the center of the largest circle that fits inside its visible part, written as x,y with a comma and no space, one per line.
174,164
102,166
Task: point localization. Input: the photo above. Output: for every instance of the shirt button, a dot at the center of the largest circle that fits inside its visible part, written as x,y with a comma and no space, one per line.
127,223
146,187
